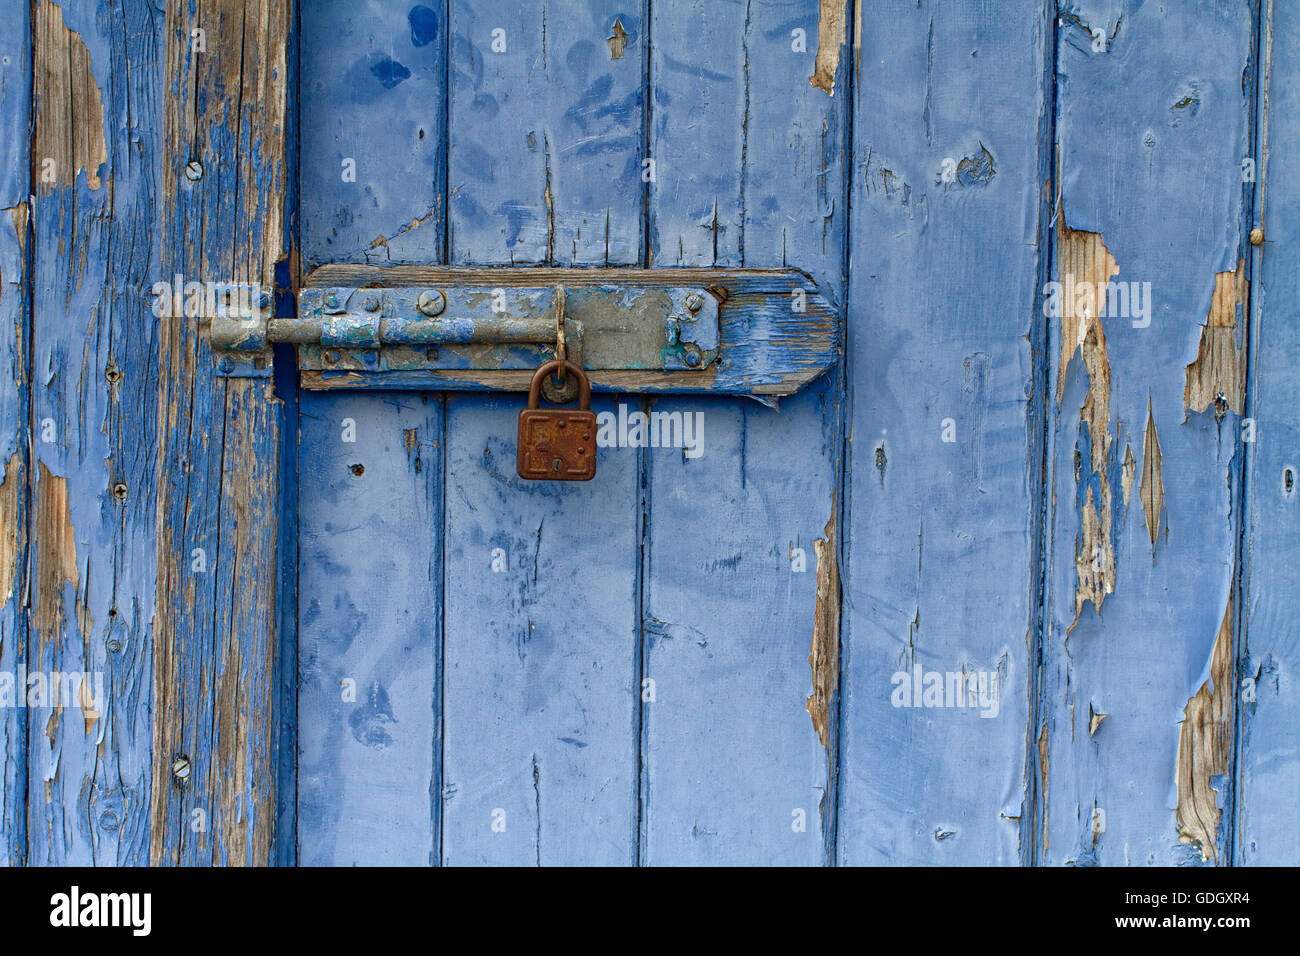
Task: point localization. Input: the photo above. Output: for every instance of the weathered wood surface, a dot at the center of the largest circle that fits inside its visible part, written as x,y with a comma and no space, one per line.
222,181
15,340
736,761
541,664
1268,688
650,668
93,422
1137,714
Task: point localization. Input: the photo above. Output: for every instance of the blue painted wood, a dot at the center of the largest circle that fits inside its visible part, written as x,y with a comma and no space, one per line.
372,131
15,337
546,134
940,520
370,628
1160,180
540,656
748,171
94,509
215,714
370,767
1269,766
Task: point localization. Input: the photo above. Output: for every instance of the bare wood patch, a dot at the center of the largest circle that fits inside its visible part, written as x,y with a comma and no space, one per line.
1152,489
1217,377
70,120
1205,747
55,558
10,501
1129,472
824,657
830,37
1087,265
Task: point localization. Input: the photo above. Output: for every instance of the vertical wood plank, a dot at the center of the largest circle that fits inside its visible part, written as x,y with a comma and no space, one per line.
373,115
1269,766
1144,457
541,579
749,166
370,545
93,418
15,391
215,731
944,267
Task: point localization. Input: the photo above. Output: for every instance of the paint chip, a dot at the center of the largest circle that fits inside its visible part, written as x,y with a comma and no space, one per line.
830,37
69,106
824,656
1205,747
1216,377
1152,489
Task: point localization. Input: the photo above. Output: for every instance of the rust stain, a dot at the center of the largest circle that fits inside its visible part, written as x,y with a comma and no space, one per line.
1205,747
824,657
55,545
1152,489
1217,377
830,37
10,501
1086,269
70,111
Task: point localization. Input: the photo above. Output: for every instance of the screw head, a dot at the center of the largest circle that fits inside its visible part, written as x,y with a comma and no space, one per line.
331,356
432,302
226,366
119,491
693,359
331,301
372,304
194,171
181,768
1257,236
695,302
263,299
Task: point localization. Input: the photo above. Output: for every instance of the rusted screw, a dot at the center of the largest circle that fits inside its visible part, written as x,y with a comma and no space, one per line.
372,304
1257,236
331,356
181,768
119,491
432,302
695,302
194,171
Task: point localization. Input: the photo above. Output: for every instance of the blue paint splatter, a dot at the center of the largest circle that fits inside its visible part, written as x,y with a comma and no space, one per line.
424,25
387,70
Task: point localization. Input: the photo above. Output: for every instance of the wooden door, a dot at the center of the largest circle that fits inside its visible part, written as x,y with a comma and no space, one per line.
1010,584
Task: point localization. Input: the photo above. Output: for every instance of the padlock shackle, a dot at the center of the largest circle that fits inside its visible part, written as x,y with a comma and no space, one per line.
570,368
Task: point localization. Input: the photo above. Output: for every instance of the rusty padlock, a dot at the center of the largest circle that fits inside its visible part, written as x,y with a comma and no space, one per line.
557,444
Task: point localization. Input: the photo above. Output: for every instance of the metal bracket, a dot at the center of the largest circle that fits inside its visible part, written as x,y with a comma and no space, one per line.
634,330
